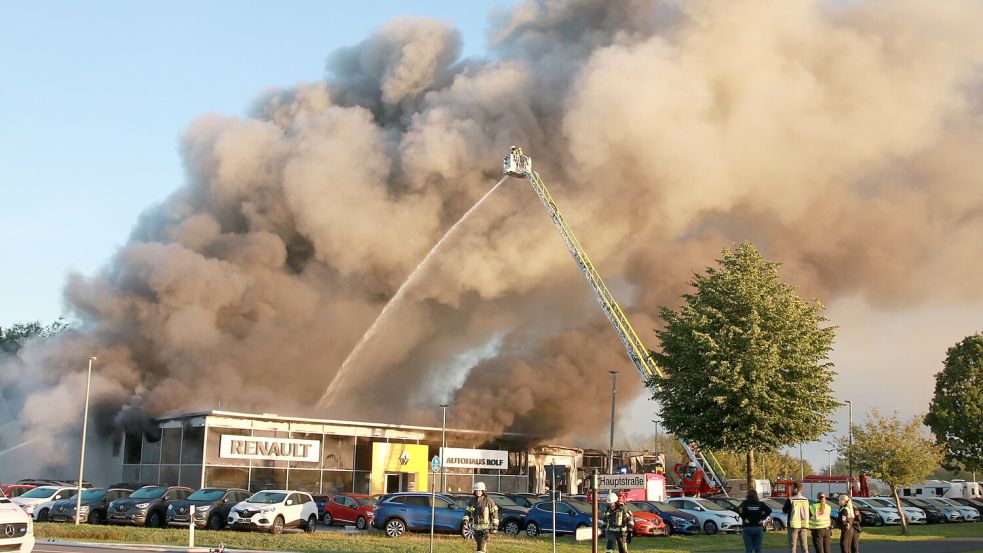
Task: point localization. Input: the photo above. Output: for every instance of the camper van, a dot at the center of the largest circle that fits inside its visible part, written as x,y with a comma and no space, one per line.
942,488
737,487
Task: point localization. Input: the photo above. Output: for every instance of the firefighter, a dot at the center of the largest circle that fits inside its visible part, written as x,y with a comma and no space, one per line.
660,463
617,523
483,515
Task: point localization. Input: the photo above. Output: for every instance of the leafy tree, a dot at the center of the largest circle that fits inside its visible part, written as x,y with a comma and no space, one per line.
12,338
747,361
894,452
957,408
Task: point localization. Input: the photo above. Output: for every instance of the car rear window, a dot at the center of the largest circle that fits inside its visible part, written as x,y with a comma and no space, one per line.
40,493
417,501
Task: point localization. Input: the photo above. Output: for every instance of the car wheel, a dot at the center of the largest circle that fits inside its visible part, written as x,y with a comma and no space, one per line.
43,515
97,517
879,521
532,529
512,528
311,526
361,523
277,527
214,522
467,531
670,530
710,527
154,520
395,528
778,525
328,520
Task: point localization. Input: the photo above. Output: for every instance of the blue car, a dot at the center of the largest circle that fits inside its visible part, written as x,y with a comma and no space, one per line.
570,515
402,512
677,521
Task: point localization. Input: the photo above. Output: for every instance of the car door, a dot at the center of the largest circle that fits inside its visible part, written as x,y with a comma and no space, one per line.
447,515
566,517
417,509
294,507
352,511
341,509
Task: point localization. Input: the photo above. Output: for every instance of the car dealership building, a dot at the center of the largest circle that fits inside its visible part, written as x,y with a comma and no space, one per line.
267,451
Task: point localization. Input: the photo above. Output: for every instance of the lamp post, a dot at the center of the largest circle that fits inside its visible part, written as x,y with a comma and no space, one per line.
849,451
829,464
656,423
443,445
614,391
802,466
85,428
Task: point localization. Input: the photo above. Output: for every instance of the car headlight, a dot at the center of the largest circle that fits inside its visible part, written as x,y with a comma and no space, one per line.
637,520
268,510
678,520
29,508
170,507
142,505
84,509
203,508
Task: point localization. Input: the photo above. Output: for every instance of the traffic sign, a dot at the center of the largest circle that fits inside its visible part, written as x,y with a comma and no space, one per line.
435,463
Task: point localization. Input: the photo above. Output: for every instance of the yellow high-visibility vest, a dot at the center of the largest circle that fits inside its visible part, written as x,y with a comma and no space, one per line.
819,516
799,518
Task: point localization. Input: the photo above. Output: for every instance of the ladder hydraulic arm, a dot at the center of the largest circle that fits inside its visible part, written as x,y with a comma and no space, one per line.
516,164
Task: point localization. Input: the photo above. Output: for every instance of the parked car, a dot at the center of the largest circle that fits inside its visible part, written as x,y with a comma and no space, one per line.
728,503
212,506
713,518
933,514
320,500
884,515
969,514
779,520
676,521
914,515
18,528
94,508
523,500
349,508
146,506
410,512
951,513
36,502
274,510
15,490
511,515
968,502
645,523
570,515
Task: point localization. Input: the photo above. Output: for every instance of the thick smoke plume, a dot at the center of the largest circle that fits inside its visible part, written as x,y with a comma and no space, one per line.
841,137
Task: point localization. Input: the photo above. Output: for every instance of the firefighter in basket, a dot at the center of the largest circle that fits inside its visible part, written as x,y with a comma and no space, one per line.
482,513
617,521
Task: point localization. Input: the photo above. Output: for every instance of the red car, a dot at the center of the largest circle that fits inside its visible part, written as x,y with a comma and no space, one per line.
649,524
15,490
349,508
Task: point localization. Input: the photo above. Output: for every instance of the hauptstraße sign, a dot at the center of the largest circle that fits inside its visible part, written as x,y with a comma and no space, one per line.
461,458
276,449
621,481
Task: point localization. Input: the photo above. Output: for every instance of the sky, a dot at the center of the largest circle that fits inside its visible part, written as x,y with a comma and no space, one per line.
93,97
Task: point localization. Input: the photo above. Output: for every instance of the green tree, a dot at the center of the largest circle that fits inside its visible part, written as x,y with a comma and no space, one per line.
957,408
12,338
747,361
893,451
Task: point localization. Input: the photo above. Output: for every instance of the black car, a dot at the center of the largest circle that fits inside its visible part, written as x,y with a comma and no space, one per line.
868,516
95,504
511,515
146,506
676,521
212,506
933,514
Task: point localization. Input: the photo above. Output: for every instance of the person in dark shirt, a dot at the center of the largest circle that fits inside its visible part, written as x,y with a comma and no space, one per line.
753,515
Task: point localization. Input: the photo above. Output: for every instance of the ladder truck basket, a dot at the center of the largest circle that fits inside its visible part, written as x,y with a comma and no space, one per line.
516,164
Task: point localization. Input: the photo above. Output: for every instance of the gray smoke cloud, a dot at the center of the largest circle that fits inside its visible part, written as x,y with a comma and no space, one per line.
840,137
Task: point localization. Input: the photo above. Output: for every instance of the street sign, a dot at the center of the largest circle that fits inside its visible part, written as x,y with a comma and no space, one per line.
435,463
621,481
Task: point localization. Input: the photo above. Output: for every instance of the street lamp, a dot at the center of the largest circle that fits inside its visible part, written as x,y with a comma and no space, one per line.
85,428
829,464
802,466
656,422
443,445
849,451
614,391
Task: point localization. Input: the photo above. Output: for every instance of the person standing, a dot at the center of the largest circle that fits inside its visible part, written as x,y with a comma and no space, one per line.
753,513
820,523
617,521
849,520
482,512
797,509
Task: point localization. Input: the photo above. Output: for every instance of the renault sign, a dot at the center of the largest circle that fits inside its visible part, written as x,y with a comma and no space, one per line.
276,449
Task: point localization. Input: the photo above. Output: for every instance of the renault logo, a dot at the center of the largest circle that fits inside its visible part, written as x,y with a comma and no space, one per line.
8,530
404,458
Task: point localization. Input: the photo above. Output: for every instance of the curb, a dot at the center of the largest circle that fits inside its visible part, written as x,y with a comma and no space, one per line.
140,546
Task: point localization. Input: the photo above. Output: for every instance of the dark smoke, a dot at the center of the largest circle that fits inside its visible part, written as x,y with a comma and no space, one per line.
840,137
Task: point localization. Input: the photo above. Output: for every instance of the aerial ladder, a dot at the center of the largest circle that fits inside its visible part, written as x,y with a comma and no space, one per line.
516,164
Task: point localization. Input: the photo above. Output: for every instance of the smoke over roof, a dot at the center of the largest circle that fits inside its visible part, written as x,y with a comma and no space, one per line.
841,138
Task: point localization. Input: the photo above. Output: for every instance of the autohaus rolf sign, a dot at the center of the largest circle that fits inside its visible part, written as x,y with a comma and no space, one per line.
277,449
461,458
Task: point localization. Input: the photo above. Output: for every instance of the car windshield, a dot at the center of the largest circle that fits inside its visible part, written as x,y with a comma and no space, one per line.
772,503
580,506
917,502
207,494
948,503
667,507
879,503
503,501
936,502
709,505
267,497
93,495
150,492
40,493
642,507
365,501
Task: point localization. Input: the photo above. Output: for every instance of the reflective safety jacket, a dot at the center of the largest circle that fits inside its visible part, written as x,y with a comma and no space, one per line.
799,515
819,516
617,519
483,513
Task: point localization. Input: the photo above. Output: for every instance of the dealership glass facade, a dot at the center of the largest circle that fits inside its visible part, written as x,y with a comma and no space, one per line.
189,452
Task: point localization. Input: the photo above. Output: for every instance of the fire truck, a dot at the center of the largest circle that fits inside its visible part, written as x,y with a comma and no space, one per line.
834,485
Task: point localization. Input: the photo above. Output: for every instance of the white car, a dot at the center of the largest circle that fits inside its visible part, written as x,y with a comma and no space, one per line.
274,510
713,518
889,515
34,501
969,514
913,514
16,527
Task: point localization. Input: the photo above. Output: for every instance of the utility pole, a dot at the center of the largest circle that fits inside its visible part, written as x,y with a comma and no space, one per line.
614,392
443,445
85,428
802,466
849,451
